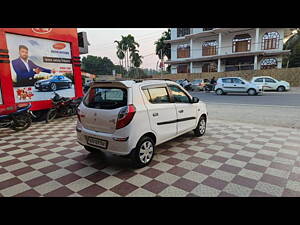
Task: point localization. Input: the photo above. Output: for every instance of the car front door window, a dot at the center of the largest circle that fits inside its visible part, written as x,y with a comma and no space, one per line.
179,95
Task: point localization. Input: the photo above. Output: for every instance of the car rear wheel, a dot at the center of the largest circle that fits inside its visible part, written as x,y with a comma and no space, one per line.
281,89
251,92
53,87
143,154
201,127
219,91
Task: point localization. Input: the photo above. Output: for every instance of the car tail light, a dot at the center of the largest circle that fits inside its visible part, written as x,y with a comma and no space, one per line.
125,116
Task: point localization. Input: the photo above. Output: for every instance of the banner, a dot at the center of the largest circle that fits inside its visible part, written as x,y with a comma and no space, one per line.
39,67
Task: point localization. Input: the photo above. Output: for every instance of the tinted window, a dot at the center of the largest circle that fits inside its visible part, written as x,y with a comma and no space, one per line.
269,80
159,95
179,95
259,80
106,98
227,80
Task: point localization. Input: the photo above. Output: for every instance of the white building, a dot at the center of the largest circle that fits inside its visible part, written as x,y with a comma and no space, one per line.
196,50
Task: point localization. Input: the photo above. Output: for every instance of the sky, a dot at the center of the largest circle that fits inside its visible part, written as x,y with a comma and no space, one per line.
102,42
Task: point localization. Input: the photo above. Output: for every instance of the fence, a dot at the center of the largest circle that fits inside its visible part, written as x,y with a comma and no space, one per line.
291,75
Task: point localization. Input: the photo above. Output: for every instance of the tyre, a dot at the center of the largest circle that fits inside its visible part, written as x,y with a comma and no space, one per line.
219,91
251,92
53,86
281,89
21,122
51,114
143,153
201,127
91,149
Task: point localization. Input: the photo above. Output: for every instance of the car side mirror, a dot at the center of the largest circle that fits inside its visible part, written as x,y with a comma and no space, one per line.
195,100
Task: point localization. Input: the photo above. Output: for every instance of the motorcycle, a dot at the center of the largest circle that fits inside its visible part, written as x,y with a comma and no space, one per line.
62,107
19,120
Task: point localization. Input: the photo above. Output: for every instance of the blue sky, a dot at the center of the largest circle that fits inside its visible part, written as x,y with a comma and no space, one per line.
102,42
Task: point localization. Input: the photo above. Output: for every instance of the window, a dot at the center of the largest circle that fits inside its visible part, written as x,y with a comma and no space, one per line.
206,29
183,68
146,92
268,63
159,95
179,95
237,81
241,43
106,98
259,80
183,31
227,81
209,67
183,51
270,40
209,48
269,80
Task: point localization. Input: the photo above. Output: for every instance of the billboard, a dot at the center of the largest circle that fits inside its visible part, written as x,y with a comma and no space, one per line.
39,67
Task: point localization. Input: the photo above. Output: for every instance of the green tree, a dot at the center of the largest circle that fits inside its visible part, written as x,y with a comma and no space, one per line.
163,49
292,44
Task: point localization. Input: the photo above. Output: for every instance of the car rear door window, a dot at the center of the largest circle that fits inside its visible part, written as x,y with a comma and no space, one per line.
227,80
237,81
158,95
179,95
106,98
269,80
259,80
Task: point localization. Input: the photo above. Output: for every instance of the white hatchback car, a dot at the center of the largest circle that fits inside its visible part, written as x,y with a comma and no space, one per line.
130,118
270,83
236,85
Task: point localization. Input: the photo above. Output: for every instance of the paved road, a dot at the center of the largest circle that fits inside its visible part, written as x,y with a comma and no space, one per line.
268,98
276,109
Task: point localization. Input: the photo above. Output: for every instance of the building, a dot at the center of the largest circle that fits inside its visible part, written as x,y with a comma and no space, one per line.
196,50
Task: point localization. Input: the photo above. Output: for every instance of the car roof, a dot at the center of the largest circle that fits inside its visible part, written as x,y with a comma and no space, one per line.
131,83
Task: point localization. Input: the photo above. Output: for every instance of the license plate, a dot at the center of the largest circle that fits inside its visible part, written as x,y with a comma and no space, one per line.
97,142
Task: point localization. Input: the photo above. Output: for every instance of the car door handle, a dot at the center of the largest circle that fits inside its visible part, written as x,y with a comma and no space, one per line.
155,114
181,111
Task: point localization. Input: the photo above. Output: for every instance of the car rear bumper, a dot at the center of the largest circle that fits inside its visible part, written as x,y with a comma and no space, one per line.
115,144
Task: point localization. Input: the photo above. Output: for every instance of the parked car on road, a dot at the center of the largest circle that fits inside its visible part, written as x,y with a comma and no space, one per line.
179,82
270,83
236,85
54,83
197,85
131,117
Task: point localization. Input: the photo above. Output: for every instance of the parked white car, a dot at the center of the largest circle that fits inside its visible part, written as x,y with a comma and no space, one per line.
236,85
130,118
270,83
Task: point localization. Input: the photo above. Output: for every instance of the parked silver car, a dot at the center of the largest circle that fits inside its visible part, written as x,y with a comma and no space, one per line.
236,85
197,85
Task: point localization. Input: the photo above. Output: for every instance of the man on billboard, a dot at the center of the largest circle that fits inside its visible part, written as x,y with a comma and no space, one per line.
26,69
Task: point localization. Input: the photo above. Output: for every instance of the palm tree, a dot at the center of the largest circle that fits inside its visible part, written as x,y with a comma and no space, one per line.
163,49
136,59
120,52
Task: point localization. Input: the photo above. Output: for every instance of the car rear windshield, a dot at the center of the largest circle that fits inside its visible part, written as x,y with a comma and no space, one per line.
106,98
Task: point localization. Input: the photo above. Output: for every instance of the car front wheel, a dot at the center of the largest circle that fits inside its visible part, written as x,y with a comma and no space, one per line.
281,89
201,127
53,87
251,92
142,155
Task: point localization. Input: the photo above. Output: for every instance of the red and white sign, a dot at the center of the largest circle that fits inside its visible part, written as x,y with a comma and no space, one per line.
41,30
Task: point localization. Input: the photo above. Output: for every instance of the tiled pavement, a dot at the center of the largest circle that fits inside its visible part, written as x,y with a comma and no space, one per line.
232,159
